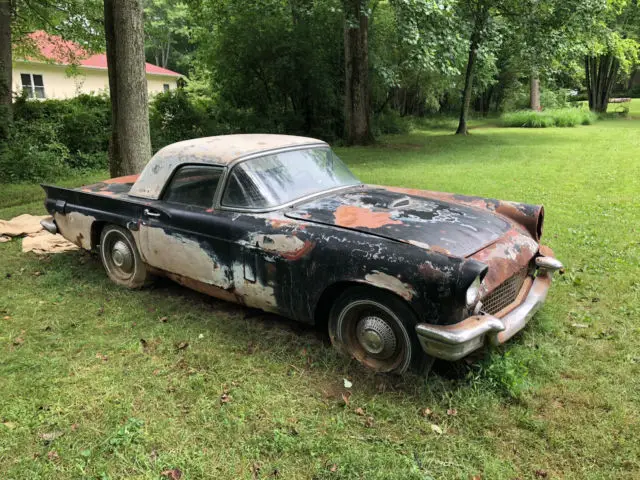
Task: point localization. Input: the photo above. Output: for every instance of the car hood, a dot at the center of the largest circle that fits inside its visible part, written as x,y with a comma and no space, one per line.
426,222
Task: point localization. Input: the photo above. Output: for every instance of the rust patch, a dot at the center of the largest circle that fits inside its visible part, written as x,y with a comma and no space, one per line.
206,288
506,257
125,179
351,216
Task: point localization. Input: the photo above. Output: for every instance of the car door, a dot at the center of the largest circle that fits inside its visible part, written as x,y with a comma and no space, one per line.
182,235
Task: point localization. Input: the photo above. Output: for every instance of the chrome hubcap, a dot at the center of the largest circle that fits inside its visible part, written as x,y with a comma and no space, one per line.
376,336
122,256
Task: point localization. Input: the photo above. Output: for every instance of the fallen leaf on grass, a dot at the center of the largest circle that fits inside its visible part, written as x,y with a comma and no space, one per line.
369,422
50,436
541,473
163,319
102,357
182,345
9,425
345,398
475,477
255,470
347,383
7,317
426,412
18,341
436,429
74,427
53,455
225,398
334,468
360,411
173,474
452,412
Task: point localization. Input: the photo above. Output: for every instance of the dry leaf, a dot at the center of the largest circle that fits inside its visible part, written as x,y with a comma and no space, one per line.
426,412
163,319
52,455
102,357
173,474
182,345
225,398
49,437
18,341
359,411
9,425
347,383
345,398
436,429
7,317
74,427
452,412
334,468
475,477
369,422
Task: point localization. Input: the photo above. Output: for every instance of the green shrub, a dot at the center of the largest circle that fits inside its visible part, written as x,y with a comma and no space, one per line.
33,153
173,117
390,122
560,117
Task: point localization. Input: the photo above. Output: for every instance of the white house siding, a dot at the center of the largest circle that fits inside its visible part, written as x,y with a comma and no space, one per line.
58,84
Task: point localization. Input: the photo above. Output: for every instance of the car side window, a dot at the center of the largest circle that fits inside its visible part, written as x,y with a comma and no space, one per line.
242,191
194,185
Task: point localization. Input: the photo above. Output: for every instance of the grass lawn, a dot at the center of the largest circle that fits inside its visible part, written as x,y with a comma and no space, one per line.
96,381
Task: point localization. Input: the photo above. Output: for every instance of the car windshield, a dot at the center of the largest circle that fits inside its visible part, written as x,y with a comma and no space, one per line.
274,180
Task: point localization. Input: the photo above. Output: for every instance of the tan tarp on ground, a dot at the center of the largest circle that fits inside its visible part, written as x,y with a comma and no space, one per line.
37,239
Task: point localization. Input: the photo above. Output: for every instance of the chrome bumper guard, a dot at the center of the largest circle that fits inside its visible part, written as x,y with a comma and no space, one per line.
453,342
49,224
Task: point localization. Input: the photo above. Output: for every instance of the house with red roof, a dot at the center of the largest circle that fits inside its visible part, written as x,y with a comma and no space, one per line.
63,69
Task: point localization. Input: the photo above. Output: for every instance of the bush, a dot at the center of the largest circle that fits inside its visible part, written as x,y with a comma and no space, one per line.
33,153
560,117
390,122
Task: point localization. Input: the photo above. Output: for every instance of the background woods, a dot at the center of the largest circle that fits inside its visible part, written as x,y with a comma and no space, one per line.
342,70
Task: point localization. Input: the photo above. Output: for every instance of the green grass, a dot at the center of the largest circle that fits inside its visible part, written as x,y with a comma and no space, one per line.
563,397
559,117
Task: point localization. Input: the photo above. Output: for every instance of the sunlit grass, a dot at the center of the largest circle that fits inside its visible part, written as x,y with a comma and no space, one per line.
562,399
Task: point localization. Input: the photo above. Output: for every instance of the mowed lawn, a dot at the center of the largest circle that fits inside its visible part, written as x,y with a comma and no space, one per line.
101,382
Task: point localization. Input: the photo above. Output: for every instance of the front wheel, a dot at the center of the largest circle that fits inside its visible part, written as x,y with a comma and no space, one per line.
121,259
377,329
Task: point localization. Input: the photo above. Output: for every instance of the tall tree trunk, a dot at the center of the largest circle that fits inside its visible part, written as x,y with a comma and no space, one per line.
468,82
534,92
357,115
130,144
6,68
600,74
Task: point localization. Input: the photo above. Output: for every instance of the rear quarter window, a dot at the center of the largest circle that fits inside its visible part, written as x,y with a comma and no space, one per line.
193,185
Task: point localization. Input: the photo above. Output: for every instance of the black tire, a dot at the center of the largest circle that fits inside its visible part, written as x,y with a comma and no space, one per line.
121,258
377,329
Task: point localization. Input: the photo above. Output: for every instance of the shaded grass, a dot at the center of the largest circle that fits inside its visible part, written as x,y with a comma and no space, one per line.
559,117
562,398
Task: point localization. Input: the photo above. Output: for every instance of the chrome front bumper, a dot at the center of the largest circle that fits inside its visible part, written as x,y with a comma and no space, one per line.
452,342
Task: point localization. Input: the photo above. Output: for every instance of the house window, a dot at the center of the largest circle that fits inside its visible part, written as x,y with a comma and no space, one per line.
165,87
32,85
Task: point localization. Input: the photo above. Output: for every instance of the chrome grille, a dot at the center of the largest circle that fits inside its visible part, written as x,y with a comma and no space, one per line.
504,294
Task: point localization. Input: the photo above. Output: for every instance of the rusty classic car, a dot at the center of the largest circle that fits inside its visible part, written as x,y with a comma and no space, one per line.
279,223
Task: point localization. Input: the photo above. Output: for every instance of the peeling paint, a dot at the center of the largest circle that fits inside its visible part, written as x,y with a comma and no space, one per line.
253,294
352,216
389,282
183,256
75,227
288,246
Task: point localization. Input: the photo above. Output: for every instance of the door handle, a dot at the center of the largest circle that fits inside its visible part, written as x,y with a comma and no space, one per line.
150,213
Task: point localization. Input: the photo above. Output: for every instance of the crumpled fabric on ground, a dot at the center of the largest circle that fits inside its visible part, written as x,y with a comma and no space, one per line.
36,238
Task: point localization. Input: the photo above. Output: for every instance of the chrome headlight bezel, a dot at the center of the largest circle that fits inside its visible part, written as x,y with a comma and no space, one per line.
472,295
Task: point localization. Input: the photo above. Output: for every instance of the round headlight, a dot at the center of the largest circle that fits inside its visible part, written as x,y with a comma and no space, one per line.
473,292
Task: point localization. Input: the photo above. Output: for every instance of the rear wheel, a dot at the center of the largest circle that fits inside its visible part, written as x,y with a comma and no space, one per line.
377,329
121,259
